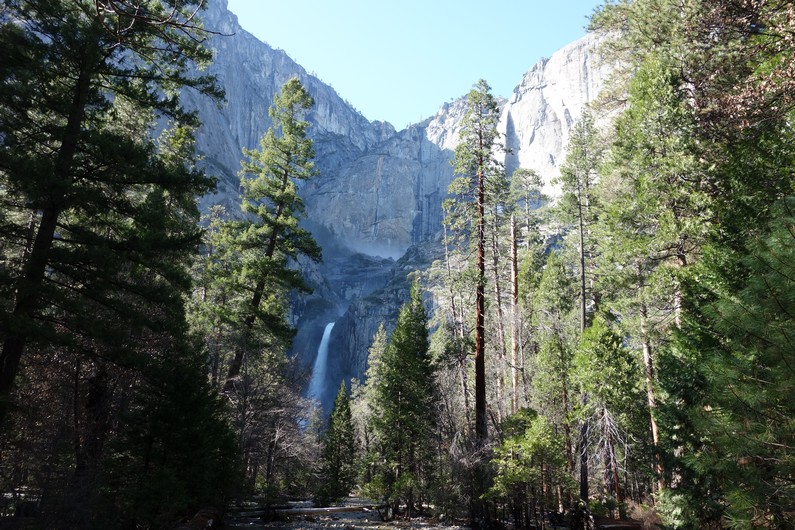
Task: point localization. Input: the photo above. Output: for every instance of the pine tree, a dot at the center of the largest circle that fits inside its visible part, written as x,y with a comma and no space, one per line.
240,303
98,223
475,160
527,462
270,236
554,314
578,178
525,191
93,209
212,310
702,152
736,420
658,216
403,410
338,466
527,256
173,451
609,375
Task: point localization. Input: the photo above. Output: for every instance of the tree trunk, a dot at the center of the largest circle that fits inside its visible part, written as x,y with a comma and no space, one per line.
611,466
458,323
583,442
514,320
256,298
481,420
583,446
566,427
495,258
650,396
26,289
681,262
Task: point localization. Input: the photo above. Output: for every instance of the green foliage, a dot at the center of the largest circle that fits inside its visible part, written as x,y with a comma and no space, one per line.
362,410
240,304
578,174
702,155
338,466
177,452
683,244
531,448
525,200
93,208
679,509
555,322
610,378
244,274
605,371
525,188
656,152
746,358
261,245
529,460
481,177
579,207
98,223
270,236
285,157
555,295
403,416
479,136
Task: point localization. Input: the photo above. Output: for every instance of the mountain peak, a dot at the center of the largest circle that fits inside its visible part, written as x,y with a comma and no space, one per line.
380,191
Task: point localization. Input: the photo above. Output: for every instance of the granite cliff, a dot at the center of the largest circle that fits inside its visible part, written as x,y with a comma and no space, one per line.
376,206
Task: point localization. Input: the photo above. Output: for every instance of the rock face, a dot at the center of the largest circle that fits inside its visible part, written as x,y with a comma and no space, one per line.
376,207
550,99
251,73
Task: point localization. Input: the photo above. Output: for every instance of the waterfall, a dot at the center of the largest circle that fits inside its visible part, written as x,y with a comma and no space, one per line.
318,382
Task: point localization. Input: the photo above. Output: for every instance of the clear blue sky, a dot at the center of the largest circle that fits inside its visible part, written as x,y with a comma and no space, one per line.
400,60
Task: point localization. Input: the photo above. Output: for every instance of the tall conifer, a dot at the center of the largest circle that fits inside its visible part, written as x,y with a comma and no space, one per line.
270,235
403,409
475,161
89,200
338,466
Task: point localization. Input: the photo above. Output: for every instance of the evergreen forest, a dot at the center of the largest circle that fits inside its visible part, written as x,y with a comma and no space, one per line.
622,352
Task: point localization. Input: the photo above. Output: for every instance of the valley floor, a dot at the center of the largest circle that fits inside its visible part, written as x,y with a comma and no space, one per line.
357,515
360,517
346,521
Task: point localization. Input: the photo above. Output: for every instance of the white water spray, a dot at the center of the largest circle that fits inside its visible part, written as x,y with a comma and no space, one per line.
318,382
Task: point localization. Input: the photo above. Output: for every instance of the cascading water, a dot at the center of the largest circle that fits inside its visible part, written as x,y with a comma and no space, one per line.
318,382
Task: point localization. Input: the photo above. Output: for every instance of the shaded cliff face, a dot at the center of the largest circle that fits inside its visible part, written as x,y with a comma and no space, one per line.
251,73
386,199
379,194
